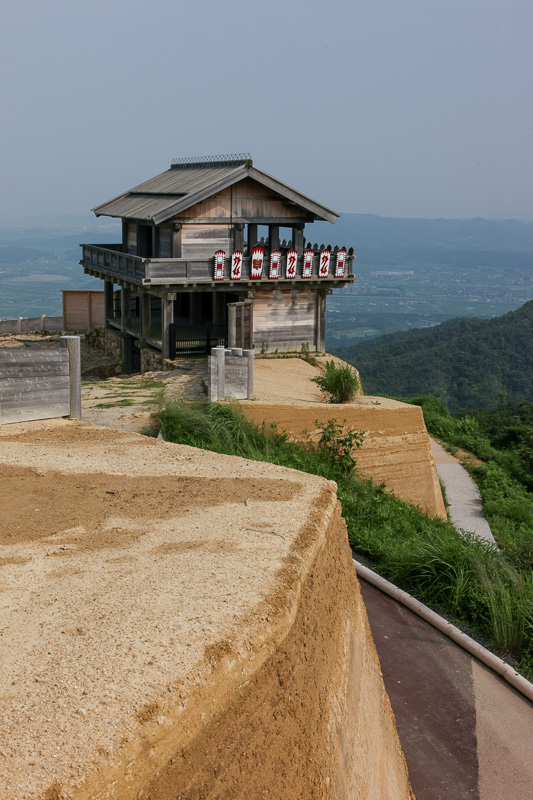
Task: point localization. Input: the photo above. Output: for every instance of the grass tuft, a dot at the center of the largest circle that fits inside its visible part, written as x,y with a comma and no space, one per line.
340,382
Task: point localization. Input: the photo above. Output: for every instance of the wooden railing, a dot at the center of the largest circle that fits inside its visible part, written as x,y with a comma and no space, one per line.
164,271
110,258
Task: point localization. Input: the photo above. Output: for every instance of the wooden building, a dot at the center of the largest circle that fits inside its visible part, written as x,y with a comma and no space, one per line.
213,250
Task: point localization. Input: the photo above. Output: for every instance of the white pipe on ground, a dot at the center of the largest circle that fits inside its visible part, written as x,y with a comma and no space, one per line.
466,642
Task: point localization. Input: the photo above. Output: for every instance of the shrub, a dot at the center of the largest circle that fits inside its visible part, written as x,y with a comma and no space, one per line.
340,382
339,443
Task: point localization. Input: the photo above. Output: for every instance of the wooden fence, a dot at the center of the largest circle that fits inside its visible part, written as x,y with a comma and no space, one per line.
40,383
83,309
26,324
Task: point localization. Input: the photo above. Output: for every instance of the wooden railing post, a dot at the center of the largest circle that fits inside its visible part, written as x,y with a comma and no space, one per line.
72,343
232,325
221,371
250,355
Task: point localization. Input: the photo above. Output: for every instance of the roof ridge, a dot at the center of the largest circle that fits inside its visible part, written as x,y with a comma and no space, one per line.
199,162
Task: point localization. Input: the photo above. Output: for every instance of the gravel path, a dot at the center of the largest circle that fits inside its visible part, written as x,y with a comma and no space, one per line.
466,508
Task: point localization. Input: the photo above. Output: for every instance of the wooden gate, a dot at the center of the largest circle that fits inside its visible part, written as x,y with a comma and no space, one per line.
195,341
241,325
40,383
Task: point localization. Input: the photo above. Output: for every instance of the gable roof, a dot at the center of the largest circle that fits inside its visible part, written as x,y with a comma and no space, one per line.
188,182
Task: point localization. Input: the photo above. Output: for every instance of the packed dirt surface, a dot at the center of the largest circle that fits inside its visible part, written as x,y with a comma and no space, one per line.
128,402
169,628
396,449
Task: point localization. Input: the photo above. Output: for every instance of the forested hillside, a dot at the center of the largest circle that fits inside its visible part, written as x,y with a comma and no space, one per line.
467,363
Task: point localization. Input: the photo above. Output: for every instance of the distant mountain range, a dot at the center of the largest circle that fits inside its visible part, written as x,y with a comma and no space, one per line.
369,234
467,363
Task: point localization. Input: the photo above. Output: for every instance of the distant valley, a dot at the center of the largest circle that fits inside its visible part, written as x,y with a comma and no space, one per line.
411,273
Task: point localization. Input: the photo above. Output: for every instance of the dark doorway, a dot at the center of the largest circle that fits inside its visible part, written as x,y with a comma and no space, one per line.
145,241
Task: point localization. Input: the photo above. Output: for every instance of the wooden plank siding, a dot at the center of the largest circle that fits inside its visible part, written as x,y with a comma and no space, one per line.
202,241
34,384
246,200
131,238
165,242
285,319
83,310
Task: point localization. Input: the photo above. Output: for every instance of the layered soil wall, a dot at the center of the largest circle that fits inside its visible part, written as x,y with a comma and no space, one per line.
181,624
396,449
314,721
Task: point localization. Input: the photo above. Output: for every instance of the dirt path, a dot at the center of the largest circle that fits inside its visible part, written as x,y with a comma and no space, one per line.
464,499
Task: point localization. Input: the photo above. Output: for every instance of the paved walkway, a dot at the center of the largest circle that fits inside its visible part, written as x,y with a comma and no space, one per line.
463,496
465,732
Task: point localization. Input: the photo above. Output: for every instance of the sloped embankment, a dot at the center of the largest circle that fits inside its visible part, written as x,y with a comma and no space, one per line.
177,622
396,448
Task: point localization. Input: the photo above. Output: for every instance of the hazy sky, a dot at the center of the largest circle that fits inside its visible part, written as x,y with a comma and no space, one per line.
413,108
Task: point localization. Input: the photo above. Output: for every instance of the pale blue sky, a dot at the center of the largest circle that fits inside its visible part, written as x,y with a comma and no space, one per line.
413,108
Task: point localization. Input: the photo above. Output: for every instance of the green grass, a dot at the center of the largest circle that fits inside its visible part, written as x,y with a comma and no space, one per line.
123,402
464,577
503,479
340,382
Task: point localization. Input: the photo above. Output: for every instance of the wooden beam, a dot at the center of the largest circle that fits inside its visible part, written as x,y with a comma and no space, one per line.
108,302
232,324
167,318
125,307
146,314
72,343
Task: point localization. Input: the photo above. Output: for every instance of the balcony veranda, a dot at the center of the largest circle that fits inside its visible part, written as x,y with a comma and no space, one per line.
110,262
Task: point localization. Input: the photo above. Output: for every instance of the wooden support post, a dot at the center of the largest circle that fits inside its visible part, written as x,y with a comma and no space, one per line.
146,314
252,237
298,238
232,324
19,325
167,317
273,237
221,371
248,341
108,303
250,387
125,308
43,326
241,314
238,236
127,354
321,322
72,343
176,241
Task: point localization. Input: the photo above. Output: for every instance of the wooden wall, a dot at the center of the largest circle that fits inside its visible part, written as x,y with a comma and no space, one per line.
285,319
245,200
34,384
83,310
165,242
130,237
201,241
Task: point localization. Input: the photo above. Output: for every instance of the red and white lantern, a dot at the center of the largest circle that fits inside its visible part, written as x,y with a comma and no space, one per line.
323,269
236,265
256,270
308,263
292,260
275,261
220,257
341,263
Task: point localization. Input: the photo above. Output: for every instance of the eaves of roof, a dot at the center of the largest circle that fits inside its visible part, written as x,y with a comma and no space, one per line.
162,197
